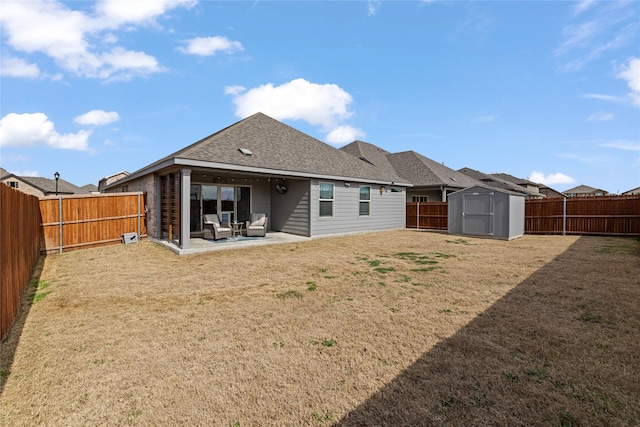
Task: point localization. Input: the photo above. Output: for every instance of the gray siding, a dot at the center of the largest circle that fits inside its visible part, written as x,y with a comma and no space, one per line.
261,199
290,211
387,211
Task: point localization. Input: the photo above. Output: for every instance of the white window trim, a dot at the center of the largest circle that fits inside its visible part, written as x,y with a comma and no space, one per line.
332,200
360,200
417,196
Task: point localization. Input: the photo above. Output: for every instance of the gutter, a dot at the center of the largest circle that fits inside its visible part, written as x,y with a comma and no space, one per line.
249,169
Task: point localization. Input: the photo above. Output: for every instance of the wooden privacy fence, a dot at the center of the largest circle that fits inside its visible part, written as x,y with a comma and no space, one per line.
606,215
19,249
433,215
80,221
602,215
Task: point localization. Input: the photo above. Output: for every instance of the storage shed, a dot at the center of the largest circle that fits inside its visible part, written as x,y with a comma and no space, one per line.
489,212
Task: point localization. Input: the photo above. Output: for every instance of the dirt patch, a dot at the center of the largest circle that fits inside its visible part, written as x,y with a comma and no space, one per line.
397,328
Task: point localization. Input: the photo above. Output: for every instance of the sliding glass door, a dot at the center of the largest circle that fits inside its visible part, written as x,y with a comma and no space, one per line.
229,202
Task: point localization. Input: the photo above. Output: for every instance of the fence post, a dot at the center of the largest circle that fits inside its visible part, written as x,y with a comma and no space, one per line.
138,215
418,216
60,212
564,216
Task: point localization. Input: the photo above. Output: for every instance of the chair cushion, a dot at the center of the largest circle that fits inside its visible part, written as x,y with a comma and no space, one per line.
258,222
211,219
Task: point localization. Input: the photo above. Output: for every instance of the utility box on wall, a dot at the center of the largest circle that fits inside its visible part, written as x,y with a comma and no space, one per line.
487,212
128,238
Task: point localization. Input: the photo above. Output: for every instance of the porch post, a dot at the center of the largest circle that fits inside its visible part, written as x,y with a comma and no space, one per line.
185,209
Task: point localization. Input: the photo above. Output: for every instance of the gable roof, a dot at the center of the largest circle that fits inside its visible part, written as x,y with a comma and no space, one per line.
584,189
275,148
632,192
424,172
48,186
513,179
371,154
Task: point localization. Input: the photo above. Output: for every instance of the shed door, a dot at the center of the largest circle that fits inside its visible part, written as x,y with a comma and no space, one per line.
477,213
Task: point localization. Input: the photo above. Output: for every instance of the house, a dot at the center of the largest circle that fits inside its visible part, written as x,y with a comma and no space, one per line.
431,181
108,180
40,187
542,189
499,183
635,191
585,191
260,165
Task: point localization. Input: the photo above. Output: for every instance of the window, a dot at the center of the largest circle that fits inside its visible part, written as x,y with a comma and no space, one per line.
326,199
13,184
420,199
365,201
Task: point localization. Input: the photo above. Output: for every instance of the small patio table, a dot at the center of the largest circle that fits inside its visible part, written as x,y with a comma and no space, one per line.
236,231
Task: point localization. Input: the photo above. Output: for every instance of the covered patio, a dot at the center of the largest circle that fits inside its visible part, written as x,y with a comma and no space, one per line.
201,245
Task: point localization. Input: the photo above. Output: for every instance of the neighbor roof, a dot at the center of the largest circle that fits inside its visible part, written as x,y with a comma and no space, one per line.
275,148
496,182
424,172
584,189
48,186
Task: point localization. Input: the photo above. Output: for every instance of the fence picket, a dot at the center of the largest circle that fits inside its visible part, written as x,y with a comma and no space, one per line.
605,215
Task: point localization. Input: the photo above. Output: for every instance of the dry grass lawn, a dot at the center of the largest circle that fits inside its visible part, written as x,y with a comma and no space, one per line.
392,328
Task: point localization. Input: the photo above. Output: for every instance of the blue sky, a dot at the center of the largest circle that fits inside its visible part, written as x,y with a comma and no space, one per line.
545,90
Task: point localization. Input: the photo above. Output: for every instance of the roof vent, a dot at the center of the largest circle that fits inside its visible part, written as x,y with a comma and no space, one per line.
452,178
364,159
245,152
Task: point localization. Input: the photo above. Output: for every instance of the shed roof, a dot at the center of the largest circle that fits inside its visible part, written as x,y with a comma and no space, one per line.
488,188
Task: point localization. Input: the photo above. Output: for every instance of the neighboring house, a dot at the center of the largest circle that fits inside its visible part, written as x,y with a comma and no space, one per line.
431,181
495,181
544,190
108,180
90,189
260,165
40,187
584,191
635,191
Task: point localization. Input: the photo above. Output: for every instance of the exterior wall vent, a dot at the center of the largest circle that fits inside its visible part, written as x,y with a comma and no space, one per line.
245,152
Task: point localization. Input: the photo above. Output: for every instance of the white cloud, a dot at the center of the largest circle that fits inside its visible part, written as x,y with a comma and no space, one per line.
609,26
234,90
631,73
344,134
32,129
622,145
118,12
81,42
373,6
318,104
602,97
600,117
324,105
97,118
17,67
208,46
582,6
484,119
551,179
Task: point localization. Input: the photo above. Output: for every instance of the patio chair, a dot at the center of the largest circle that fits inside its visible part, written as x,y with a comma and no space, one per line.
257,226
212,224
